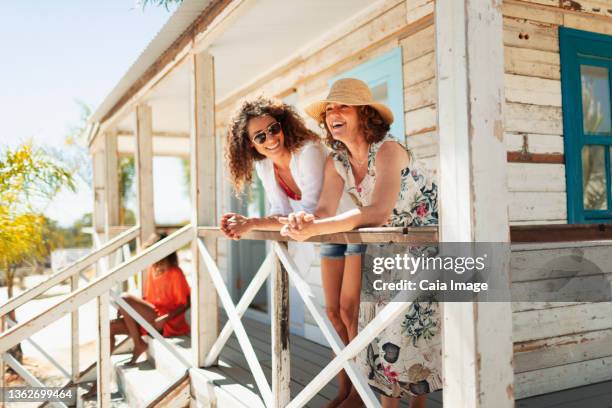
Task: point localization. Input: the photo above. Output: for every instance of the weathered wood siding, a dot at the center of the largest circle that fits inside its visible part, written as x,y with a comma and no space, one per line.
557,345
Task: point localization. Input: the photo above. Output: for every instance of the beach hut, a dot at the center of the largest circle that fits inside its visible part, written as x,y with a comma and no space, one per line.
507,102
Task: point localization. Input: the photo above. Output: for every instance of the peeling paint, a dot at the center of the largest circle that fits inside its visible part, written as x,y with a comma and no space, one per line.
571,5
510,391
498,130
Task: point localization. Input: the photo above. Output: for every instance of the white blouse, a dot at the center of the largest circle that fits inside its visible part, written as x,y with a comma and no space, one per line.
307,166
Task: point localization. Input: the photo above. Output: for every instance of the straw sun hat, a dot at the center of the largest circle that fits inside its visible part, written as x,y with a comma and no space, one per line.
352,92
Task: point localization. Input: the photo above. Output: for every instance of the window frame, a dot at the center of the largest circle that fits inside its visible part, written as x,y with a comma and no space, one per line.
578,48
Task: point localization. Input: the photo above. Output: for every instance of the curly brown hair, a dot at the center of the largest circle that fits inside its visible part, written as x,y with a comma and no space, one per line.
371,123
240,153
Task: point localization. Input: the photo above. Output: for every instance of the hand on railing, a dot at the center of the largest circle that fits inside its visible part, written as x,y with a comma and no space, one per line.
234,225
298,226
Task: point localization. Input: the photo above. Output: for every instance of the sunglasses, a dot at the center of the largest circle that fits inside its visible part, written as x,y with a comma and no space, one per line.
272,130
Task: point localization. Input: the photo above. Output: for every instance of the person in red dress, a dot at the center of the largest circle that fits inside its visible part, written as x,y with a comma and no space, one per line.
166,298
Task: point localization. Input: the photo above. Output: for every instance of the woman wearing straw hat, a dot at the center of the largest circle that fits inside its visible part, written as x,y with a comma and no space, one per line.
389,189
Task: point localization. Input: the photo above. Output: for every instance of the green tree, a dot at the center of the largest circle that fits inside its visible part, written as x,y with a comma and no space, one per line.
29,178
165,3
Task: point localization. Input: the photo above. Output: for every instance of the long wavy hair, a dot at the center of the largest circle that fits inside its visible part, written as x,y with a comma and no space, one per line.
371,124
239,151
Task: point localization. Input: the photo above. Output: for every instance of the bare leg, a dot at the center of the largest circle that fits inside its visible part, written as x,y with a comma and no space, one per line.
147,311
331,277
418,402
388,402
349,312
117,326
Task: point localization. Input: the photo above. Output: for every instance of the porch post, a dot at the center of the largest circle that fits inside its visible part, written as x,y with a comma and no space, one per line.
281,364
477,337
103,367
143,161
111,195
204,309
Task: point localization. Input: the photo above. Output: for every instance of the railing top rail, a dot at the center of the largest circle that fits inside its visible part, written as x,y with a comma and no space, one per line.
412,235
97,287
70,270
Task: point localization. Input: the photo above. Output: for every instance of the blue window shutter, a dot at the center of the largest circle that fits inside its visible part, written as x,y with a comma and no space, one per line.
384,73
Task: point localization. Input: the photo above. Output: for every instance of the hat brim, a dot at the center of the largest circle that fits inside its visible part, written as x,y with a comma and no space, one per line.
316,109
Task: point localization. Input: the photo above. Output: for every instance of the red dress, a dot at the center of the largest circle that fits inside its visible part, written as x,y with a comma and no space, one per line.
166,292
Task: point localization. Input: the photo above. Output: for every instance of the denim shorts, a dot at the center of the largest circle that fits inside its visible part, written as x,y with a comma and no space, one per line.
336,251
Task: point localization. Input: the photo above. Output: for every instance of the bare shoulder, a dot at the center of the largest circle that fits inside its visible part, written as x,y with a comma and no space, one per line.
392,152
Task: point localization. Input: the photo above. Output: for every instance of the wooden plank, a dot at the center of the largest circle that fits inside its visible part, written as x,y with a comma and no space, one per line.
535,158
595,7
205,321
553,3
534,143
590,284
532,90
417,9
477,338
537,206
564,262
418,44
536,177
563,377
99,170
281,368
111,184
143,129
562,350
533,119
104,365
530,34
518,9
421,120
530,62
361,235
588,23
419,69
562,233
74,334
420,95
540,324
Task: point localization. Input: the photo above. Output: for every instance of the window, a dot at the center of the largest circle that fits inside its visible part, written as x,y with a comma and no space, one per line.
384,77
586,79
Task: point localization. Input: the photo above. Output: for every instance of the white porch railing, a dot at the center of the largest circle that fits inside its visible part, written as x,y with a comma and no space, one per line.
277,395
100,289
277,264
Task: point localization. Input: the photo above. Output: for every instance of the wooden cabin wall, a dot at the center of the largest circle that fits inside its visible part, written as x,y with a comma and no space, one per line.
557,345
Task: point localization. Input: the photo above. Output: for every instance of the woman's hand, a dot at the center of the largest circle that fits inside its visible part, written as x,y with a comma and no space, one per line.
298,226
234,225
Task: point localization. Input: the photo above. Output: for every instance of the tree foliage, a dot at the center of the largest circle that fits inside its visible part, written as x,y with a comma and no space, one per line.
28,179
165,3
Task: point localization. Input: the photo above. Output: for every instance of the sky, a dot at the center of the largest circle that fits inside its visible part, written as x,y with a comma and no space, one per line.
55,53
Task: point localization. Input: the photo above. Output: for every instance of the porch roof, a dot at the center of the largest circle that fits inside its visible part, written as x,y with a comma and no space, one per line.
251,38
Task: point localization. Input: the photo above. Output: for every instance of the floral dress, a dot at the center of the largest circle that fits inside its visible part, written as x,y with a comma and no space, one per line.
404,359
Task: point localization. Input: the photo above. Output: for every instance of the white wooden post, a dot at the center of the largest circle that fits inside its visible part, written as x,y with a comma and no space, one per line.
74,335
143,160
111,185
99,217
477,337
2,363
204,309
281,374
103,351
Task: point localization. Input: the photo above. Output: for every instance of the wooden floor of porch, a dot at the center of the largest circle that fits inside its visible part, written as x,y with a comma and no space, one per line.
309,358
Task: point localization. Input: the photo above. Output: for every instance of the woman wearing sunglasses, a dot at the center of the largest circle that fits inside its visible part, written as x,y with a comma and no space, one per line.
288,159
390,189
